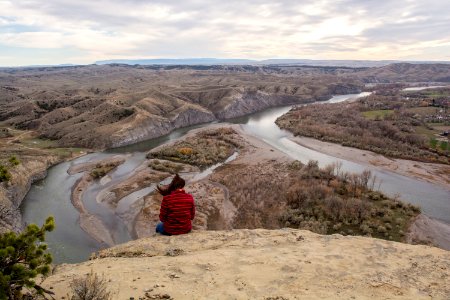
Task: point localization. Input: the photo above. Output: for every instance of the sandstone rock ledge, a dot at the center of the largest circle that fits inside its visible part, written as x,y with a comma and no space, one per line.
266,264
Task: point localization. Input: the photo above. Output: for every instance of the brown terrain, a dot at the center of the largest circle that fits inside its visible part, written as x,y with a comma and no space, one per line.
44,111
113,105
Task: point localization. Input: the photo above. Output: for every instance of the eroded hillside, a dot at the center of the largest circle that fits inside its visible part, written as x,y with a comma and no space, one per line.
113,105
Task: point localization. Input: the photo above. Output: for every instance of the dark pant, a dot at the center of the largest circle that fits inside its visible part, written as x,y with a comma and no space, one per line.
160,229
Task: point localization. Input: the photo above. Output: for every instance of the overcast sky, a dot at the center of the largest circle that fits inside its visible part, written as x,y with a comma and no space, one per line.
83,31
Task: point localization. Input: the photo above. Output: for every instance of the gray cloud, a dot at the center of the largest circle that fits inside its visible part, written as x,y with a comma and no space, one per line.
253,29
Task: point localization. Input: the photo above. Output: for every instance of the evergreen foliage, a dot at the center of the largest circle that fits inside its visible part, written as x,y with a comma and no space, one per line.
22,258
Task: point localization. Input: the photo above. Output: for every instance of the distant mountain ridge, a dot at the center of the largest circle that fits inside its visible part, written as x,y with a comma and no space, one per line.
178,61
237,62
232,61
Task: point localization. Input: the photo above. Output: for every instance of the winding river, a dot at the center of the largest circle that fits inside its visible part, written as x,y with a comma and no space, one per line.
69,243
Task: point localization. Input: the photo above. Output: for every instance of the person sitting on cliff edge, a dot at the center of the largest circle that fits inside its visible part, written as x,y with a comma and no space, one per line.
177,208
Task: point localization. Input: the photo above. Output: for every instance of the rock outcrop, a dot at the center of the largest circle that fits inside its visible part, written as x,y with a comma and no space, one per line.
265,264
253,101
147,127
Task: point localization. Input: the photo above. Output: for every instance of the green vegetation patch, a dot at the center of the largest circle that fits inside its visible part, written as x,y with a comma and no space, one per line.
52,146
165,166
6,166
206,148
377,114
39,143
13,160
422,130
5,175
67,152
101,170
444,146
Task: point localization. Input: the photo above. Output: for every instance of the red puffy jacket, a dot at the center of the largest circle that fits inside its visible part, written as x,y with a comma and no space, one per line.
177,211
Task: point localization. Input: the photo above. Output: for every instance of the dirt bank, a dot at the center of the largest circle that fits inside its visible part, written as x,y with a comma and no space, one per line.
429,231
89,222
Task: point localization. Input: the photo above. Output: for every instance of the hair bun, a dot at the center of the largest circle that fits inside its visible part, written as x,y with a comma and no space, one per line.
176,183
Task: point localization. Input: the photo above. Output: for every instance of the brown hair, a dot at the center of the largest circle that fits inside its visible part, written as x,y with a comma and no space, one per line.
177,183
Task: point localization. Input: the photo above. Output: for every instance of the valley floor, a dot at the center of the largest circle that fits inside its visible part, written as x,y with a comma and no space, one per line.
215,211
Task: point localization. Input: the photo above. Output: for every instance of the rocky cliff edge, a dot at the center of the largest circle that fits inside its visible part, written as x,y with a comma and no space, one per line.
265,264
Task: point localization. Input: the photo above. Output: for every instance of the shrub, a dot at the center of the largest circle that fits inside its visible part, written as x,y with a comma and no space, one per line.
5,176
185,151
91,287
22,258
381,229
165,166
14,161
295,165
101,170
98,173
365,229
433,142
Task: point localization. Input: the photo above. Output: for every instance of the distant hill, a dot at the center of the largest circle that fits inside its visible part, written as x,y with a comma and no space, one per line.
219,61
280,62
328,63
181,61
407,72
